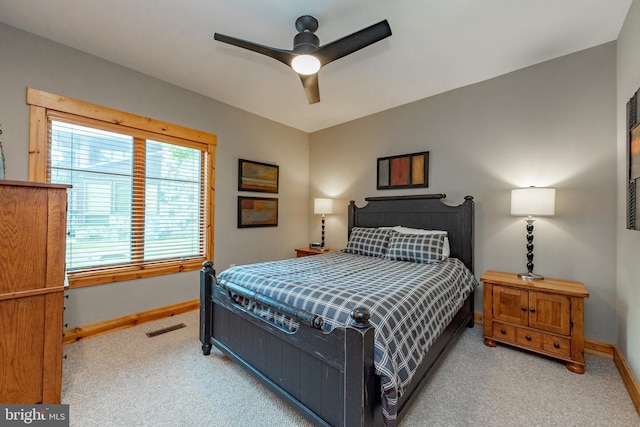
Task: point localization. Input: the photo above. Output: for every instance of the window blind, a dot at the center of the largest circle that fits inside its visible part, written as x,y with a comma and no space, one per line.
134,200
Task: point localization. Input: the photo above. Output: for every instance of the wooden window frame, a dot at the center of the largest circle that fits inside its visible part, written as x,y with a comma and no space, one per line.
43,105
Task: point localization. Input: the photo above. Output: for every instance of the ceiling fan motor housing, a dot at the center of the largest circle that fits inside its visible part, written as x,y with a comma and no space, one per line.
305,42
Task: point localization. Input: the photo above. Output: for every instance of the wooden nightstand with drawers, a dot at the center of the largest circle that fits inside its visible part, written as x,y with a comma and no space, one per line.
545,316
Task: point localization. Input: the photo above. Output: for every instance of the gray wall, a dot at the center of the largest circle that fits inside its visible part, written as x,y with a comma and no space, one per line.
553,124
31,61
628,267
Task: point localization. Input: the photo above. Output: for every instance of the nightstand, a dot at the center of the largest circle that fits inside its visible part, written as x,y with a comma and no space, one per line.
545,316
300,252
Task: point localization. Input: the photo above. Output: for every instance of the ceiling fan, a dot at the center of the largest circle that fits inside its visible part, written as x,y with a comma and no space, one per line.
307,55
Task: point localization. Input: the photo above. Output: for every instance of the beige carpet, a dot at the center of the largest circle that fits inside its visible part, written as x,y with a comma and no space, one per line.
127,379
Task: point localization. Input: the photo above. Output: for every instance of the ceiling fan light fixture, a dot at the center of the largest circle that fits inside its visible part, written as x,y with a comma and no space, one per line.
305,64
307,55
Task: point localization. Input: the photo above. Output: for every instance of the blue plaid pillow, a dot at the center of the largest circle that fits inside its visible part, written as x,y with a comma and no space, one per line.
369,241
420,248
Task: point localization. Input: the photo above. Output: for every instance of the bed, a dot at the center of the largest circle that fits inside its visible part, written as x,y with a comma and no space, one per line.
332,370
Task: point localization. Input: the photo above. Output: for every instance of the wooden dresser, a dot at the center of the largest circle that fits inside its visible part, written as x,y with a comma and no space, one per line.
32,267
546,316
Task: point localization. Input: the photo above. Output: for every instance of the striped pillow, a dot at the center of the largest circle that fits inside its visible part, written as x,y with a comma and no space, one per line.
420,248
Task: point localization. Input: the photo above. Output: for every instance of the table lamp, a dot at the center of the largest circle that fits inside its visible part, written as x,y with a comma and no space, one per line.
530,202
322,206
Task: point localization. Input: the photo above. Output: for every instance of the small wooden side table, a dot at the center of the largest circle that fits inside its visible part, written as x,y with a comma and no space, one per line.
545,316
300,252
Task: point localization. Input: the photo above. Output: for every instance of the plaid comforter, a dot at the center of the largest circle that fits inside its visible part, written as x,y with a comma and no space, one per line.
410,303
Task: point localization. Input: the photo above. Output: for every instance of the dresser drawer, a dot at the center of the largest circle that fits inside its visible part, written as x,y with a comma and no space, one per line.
556,345
551,344
529,338
503,331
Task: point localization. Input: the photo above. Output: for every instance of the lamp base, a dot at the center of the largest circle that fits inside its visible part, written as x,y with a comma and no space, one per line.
530,276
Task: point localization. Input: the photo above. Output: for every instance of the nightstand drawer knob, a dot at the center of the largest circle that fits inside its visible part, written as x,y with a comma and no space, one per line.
503,331
528,337
524,308
556,345
532,309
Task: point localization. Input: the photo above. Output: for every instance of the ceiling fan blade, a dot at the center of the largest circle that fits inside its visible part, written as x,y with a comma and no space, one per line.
353,42
281,55
310,83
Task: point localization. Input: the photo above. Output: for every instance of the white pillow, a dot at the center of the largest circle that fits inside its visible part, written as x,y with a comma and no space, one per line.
446,250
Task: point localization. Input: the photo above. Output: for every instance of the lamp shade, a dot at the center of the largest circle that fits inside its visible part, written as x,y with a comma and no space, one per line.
533,201
323,206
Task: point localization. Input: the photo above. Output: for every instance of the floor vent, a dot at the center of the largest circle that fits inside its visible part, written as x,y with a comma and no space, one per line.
165,330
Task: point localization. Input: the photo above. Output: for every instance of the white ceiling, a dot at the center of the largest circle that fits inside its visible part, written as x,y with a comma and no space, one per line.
436,46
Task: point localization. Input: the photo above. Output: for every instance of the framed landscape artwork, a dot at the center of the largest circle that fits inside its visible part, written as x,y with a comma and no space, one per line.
403,171
257,212
256,176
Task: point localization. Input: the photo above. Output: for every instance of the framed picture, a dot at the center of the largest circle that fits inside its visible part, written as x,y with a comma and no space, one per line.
256,176
257,212
633,163
634,153
403,171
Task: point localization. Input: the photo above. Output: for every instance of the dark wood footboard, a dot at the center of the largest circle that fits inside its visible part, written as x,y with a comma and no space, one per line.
309,369
329,378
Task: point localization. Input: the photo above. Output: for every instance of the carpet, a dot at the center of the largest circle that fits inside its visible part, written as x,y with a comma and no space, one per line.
127,379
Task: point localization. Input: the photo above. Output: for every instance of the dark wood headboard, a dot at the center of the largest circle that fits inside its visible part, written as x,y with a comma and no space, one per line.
421,211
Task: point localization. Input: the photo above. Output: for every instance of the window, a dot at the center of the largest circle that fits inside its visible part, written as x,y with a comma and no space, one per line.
142,197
